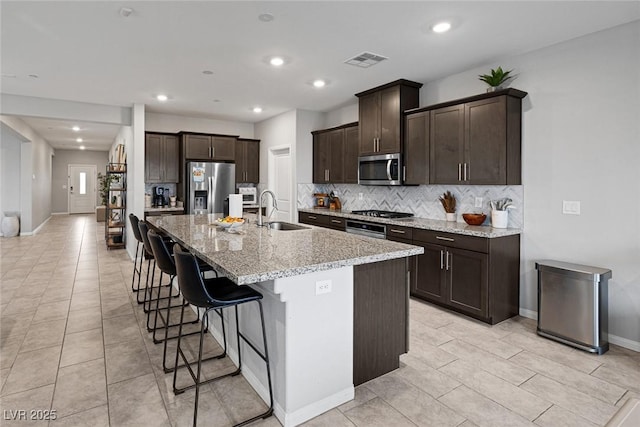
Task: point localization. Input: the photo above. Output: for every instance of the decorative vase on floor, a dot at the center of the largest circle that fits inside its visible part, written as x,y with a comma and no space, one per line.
499,219
10,225
451,216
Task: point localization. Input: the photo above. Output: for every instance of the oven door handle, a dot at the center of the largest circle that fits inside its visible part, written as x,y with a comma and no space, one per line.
389,169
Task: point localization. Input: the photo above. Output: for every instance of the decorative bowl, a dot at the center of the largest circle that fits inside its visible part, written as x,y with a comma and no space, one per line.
474,219
229,224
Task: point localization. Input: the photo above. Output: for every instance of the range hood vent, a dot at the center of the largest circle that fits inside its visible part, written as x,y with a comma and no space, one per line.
365,60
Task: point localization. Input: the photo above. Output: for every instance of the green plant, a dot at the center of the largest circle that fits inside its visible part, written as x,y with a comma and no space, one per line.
105,183
448,201
496,78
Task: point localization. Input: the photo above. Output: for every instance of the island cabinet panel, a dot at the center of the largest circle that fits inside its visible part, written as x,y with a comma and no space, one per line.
381,124
247,159
319,220
380,318
335,155
416,149
209,147
162,154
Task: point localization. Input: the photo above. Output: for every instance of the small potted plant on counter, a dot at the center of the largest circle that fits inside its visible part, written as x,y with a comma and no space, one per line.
495,79
500,212
448,201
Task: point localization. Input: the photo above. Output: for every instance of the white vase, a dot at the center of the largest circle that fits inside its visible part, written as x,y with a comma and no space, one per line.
451,216
10,226
499,219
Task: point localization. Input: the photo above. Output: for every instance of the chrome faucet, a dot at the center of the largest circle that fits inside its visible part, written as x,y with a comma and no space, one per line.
275,205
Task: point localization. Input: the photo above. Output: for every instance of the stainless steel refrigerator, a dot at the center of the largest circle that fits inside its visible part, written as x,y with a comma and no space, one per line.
208,186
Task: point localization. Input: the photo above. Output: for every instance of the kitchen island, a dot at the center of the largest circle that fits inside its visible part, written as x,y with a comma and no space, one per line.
336,306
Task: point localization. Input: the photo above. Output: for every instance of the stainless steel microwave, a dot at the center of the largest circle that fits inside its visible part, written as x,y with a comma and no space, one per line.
383,169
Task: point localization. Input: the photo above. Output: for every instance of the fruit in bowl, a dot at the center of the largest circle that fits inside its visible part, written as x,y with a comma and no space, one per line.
230,222
474,218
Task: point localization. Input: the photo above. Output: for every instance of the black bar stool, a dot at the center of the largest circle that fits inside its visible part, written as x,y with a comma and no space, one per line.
213,294
137,269
166,265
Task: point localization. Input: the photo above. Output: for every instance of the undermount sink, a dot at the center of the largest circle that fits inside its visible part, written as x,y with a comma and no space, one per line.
285,226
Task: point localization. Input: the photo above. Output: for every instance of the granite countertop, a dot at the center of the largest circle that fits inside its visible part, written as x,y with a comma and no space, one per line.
259,254
165,209
425,224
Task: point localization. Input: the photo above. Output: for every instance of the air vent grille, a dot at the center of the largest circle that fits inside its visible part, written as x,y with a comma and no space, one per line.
365,60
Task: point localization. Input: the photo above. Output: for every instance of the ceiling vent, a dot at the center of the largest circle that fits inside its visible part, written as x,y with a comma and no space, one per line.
365,60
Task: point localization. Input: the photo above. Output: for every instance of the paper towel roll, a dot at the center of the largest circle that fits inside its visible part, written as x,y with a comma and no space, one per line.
235,205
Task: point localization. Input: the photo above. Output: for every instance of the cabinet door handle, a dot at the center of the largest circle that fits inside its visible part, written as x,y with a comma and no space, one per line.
336,221
328,175
396,231
448,239
404,173
459,171
312,217
213,152
448,265
465,172
441,259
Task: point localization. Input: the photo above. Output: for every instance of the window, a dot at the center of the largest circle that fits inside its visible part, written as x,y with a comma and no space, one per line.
83,182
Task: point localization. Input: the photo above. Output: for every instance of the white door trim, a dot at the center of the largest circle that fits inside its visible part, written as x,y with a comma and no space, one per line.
95,183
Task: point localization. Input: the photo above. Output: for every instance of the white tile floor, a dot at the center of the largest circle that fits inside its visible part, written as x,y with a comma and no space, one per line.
73,340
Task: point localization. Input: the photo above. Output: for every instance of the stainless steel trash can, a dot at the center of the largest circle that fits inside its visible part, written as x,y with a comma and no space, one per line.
573,304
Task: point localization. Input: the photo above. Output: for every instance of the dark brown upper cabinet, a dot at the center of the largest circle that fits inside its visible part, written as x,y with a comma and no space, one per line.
380,115
248,160
416,149
209,147
477,140
335,155
161,158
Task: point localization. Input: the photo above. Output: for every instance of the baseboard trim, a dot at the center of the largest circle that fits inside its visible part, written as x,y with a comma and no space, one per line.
34,232
613,339
59,213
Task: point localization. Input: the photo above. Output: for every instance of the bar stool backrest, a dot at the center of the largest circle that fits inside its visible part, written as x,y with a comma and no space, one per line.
190,280
163,258
134,226
144,229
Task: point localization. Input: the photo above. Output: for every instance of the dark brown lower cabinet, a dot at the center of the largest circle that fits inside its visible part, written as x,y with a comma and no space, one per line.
472,275
380,318
319,220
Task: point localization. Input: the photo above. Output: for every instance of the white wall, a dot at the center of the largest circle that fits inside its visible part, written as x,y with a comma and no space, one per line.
306,122
10,153
60,172
581,133
342,115
157,122
35,179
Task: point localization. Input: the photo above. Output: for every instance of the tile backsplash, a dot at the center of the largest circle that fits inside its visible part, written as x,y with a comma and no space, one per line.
422,201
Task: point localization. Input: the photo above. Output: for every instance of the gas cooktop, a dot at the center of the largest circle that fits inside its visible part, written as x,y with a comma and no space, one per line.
383,214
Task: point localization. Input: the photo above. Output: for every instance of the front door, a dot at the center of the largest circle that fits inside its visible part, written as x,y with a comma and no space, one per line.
82,189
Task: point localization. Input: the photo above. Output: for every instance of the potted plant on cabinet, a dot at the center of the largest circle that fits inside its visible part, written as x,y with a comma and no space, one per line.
448,201
495,79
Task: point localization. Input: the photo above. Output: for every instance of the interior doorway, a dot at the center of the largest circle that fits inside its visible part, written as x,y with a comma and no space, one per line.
280,181
82,189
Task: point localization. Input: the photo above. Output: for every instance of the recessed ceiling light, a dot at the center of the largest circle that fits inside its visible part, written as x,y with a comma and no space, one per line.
276,61
76,128
82,147
266,17
78,139
257,109
207,72
162,98
441,27
319,83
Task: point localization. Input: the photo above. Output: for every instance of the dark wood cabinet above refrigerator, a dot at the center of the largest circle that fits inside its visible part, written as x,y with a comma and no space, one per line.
209,147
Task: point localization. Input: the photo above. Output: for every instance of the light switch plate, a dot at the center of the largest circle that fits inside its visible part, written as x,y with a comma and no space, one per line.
571,207
360,196
478,203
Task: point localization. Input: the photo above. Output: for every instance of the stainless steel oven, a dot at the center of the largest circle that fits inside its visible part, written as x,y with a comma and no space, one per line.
381,169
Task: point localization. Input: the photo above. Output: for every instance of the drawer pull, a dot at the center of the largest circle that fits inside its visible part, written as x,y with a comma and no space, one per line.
397,231
336,221
448,239
312,217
